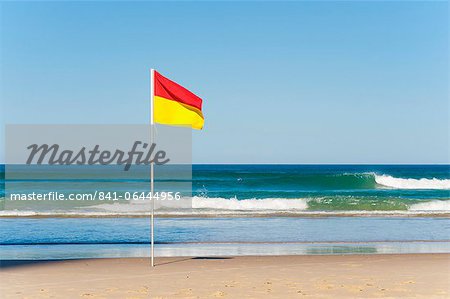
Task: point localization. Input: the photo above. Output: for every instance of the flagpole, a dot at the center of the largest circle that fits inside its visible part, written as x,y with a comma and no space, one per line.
152,220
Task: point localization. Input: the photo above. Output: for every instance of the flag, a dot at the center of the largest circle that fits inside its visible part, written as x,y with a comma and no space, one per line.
175,105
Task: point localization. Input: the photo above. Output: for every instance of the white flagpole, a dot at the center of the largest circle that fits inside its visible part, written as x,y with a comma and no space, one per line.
152,220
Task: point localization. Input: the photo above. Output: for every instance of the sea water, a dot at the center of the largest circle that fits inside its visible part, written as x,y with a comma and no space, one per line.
255,209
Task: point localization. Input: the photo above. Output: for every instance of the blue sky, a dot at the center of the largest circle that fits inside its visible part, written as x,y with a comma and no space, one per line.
293,82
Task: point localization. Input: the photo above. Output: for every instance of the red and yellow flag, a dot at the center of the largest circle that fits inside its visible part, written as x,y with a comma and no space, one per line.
175,105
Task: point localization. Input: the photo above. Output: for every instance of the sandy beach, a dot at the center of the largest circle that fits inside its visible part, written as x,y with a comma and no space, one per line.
252,149
345,276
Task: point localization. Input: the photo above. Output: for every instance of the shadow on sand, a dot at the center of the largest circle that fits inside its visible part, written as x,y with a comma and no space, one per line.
5,264
194,258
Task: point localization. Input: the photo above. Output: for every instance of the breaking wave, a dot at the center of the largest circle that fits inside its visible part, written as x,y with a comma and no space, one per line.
342,181
403,183
435,205
223,206
267,204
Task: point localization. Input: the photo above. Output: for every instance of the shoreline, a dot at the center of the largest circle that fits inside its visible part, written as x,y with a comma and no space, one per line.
71,251
314,276
372,214
236,242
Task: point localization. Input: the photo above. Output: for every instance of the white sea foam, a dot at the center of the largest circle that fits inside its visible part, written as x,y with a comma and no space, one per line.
435,205
267,204
200,205
402,183
129,207
431,208
16,213
224,206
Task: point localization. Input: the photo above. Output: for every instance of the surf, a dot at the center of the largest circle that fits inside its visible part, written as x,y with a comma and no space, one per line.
338,205
410,183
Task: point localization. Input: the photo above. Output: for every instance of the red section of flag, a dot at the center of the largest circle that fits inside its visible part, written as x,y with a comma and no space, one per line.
170,90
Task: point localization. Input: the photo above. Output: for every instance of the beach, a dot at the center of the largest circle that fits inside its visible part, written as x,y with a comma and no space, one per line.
224,149
320,276
247,231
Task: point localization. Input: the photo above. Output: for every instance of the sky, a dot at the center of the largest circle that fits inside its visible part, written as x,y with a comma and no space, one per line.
282,82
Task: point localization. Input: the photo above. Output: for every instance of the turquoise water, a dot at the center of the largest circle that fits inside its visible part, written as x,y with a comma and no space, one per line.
249,196
329,187
263,189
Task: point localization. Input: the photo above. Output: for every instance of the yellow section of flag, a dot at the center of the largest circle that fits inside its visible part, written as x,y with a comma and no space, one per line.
175,105
175,113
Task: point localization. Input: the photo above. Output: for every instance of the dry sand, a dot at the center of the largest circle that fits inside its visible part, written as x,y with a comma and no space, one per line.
350,276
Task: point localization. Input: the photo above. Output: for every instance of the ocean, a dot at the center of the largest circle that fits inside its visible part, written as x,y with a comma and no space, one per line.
251,209
280,189
323,188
